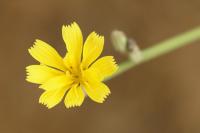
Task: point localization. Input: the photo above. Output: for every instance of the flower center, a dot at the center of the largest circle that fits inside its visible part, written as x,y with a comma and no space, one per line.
77,79
76,75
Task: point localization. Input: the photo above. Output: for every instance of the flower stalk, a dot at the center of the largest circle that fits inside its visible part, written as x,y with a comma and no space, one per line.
160,49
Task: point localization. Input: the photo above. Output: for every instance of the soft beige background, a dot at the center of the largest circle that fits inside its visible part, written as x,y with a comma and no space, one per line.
160,96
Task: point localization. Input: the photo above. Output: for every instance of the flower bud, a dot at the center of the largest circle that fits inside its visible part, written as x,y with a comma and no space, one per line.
134,51
119,41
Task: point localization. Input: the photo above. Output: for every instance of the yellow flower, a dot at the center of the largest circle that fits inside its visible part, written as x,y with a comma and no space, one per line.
79,73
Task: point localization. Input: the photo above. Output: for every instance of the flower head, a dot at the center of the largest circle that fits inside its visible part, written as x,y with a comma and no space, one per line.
78,74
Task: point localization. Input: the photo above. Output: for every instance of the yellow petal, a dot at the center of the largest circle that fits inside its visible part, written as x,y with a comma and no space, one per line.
73,38
71,64
96,91
74,97
57,82
92,75
47,55
40,73
53,97
104,66
92,49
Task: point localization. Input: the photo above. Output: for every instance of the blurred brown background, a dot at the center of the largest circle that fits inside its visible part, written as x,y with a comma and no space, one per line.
160,96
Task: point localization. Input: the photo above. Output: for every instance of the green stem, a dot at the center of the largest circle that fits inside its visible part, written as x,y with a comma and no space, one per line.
160,49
